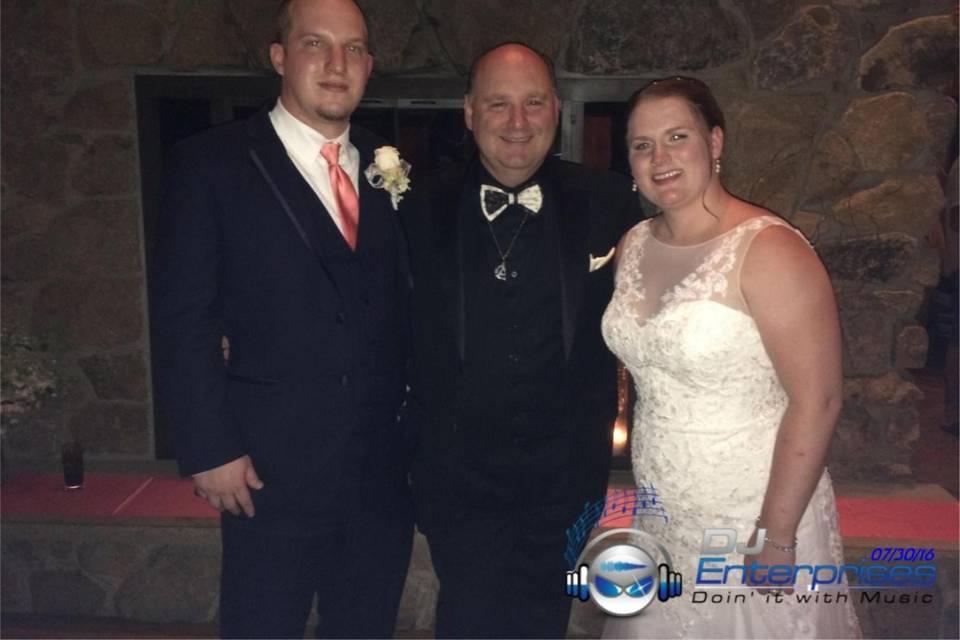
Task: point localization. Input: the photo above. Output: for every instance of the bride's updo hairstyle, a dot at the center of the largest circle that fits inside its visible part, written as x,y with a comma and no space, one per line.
694,91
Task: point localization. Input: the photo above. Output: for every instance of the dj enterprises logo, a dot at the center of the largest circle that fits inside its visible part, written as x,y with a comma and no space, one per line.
626,577
911,568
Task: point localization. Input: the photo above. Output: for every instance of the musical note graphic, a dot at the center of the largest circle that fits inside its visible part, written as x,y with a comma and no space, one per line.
620,508
642,501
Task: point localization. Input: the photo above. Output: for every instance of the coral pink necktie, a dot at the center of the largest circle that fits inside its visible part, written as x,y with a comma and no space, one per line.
346,197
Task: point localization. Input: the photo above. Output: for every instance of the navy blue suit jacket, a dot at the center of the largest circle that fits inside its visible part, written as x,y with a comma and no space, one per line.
244,251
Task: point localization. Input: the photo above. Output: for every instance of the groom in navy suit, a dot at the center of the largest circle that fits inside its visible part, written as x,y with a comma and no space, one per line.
272,238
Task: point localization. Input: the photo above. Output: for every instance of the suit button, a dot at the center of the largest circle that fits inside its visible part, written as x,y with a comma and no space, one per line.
344,380
341,318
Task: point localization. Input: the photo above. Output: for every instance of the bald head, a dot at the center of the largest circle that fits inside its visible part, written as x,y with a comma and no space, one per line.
512,109
506,47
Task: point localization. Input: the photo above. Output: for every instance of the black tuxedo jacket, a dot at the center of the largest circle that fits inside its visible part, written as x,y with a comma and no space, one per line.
452,471
318,353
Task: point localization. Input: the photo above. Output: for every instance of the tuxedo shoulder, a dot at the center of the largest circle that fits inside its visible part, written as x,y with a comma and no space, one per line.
229,133
449,176
430,187
436,185
216,142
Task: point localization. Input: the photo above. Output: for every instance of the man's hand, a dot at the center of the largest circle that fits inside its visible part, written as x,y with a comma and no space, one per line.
225,487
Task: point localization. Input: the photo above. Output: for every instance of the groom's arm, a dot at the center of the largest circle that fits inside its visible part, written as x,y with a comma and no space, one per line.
188,328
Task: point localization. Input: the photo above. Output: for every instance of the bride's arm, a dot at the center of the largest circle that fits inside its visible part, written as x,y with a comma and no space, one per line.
791,299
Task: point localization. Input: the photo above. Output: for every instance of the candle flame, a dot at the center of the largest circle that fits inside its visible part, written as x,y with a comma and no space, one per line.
619,436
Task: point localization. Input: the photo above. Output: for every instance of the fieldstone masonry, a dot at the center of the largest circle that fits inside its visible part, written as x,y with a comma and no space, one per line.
164,573
837,120
165,570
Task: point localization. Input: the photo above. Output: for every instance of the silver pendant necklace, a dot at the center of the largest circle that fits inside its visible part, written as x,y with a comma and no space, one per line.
500,272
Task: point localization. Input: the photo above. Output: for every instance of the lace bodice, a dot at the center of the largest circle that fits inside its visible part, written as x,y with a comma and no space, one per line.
708,408
678,315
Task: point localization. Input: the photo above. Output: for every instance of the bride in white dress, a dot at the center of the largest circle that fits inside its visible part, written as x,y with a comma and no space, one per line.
726,319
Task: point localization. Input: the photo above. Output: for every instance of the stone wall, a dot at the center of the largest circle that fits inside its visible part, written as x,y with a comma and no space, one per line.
149,570
837,120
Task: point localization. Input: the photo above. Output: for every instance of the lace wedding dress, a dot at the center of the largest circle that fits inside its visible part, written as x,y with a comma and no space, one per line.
708,408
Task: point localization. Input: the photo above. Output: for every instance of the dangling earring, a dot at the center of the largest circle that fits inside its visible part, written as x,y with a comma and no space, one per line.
716,166
633,187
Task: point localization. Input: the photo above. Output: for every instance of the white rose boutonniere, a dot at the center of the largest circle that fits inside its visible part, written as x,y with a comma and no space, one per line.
388,171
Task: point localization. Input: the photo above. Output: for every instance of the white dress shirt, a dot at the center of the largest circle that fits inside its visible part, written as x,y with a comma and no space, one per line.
303,144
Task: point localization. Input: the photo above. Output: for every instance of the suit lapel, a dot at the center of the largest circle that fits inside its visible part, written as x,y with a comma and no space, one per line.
446,233
573,226
373,202
297,200
376,202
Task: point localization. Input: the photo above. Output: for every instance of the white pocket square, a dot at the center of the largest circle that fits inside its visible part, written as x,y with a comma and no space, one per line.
597,263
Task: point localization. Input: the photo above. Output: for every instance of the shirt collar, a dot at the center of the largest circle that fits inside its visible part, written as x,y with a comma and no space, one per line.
301,139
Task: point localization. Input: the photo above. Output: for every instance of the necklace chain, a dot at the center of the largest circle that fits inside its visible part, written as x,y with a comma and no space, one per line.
500,272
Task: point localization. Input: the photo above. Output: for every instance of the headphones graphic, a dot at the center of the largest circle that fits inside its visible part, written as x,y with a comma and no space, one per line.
625,577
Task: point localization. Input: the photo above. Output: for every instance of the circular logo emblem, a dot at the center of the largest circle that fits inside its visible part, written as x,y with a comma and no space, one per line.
623,580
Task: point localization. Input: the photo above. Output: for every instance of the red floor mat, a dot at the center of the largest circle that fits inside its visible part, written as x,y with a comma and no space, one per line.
165,497
899,519
27,494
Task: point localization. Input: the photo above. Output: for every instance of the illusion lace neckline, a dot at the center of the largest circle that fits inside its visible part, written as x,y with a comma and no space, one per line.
707,241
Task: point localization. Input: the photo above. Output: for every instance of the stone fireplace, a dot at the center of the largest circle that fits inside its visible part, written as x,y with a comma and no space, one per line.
838,118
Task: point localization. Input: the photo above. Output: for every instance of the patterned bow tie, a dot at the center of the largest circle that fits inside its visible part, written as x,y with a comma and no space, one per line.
494,200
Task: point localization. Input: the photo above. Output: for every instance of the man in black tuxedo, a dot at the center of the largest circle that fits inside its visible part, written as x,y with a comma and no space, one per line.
513,391
272,237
